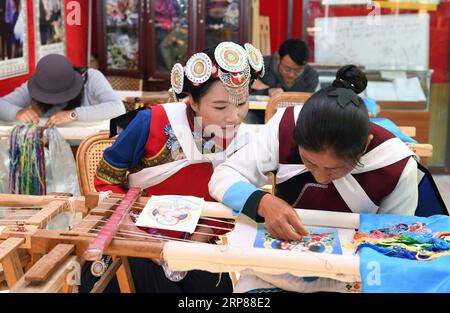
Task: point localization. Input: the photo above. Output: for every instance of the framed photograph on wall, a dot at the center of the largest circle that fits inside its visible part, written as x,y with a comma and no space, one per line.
49,25
13,38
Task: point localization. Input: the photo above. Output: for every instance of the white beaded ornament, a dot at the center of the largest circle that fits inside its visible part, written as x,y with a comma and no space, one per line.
176,78
231,57
255,58
198,68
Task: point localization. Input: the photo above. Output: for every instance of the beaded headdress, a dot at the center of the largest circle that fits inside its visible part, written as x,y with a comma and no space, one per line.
232,68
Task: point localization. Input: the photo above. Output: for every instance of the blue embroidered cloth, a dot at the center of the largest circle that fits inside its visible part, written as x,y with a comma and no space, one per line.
380,273
390,126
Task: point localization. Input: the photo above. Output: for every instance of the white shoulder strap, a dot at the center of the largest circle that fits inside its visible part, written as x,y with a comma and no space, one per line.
354,195
176,113
387,153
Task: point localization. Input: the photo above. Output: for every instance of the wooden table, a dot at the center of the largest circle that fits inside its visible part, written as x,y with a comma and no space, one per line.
124,94
76,131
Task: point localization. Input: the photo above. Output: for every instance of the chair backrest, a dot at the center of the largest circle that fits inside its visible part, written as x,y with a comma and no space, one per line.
133,103
125,83
285,99
424,150
89,154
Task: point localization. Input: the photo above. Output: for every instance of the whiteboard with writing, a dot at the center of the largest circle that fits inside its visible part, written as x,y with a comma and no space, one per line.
377,42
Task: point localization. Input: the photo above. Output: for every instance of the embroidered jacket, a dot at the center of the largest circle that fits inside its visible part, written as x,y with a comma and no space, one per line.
159,152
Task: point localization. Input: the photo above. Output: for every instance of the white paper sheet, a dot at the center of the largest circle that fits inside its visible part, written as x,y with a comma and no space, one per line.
381,91
391,75
179,213
400,89
409,89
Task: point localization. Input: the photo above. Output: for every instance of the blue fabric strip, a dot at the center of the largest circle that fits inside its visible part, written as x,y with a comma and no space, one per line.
236,196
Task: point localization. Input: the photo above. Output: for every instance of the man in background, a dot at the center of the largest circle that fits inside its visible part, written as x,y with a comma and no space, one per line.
287,70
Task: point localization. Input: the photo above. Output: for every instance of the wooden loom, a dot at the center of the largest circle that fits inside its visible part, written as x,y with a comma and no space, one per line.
60,249
20,217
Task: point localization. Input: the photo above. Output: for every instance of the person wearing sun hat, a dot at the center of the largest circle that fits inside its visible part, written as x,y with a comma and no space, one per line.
172,149
62,93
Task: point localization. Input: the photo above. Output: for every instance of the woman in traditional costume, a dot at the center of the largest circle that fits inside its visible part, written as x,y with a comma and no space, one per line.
327,155
171,149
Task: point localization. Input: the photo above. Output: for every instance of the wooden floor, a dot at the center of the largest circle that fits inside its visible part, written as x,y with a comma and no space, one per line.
443,183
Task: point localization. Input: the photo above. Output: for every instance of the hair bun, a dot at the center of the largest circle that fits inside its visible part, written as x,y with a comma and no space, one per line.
350,77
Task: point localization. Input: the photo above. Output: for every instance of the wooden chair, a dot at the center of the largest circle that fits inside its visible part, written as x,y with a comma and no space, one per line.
125,83
133,103
285,99
281,100
421,149
89,154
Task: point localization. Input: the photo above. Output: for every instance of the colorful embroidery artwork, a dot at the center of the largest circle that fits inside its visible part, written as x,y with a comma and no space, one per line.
407,241
179,213
321,240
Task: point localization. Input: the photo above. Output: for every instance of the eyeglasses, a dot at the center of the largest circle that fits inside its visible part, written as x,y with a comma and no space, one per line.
287,70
